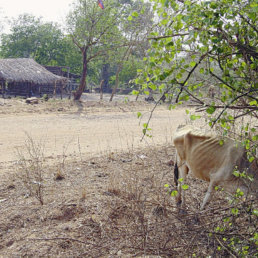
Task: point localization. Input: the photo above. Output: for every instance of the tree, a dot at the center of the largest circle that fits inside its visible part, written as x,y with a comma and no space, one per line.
136,28
206,41
199,43
23,41
94,31
105,34
1,20
45,42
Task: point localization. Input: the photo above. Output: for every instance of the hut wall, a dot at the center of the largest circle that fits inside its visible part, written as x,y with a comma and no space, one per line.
29,89
18,89
2,88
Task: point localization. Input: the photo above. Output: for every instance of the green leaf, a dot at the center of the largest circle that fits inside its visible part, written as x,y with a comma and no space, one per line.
221,142
135,92
234,211
255,138
185,97
236,173
152,86
239,193
145,125
192,64
179,76
171,107
194,117
213,5
255,212
139,114
210,110
251,159
227,219
174,193
135,14
185,187
253,103
164,21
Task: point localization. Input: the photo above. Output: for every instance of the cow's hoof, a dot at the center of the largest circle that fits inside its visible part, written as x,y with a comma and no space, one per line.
178,203
182,211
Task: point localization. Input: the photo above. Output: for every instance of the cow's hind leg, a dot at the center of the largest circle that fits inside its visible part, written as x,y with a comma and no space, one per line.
209,192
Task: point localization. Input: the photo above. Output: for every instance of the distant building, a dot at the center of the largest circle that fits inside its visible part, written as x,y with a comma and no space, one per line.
25,77
64,71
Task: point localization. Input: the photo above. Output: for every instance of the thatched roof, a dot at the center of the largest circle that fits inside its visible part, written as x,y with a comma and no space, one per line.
26,70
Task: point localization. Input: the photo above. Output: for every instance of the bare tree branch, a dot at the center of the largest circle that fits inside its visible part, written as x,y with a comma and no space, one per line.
188,76
168,36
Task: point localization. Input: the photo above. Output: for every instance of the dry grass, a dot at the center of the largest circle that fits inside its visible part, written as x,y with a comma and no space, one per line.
30,168
19,106
116,205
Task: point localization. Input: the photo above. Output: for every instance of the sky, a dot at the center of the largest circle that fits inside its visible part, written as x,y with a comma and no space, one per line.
49,10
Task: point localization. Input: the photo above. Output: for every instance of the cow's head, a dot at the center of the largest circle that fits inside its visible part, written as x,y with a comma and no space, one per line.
248,181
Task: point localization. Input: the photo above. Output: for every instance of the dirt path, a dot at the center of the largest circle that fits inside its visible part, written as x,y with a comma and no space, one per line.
84,133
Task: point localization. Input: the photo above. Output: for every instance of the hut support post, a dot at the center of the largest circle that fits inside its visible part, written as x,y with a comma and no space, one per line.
62,87
54,93
3,89
101,89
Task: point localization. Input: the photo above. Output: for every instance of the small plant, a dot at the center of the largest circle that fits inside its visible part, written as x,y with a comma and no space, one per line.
61,163
170,190
126,100
59,175
30,168
83,194
45,97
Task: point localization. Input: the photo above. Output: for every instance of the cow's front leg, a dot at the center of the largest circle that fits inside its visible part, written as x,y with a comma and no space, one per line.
183,171
209,193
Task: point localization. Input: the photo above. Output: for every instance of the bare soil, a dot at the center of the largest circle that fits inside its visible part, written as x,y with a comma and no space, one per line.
102,186
86,128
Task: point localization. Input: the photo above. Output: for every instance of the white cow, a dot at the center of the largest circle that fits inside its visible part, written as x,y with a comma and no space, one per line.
209,160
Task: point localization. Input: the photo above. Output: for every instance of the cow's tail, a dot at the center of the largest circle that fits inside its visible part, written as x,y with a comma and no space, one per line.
176,174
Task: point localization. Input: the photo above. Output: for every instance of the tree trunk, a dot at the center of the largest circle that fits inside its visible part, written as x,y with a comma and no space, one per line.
101,89
120,67
105,77
116,83
77,95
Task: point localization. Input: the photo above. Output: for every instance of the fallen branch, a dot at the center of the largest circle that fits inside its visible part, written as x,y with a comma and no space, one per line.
61,238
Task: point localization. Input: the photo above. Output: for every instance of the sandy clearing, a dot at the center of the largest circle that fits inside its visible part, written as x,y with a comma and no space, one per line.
84,133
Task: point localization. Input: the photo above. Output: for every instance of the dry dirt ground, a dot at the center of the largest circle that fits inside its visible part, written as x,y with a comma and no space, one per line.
77,181
89,128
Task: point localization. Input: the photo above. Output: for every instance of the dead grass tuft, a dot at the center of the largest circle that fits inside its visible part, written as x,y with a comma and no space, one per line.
59,175
30,169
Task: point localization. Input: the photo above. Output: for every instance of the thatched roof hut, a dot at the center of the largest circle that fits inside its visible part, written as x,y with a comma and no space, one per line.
26,70
23,75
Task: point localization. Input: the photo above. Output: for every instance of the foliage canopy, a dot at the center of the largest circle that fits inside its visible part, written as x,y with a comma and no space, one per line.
203,44
45,42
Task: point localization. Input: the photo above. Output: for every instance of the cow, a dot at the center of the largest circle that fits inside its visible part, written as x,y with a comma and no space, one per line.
208,159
